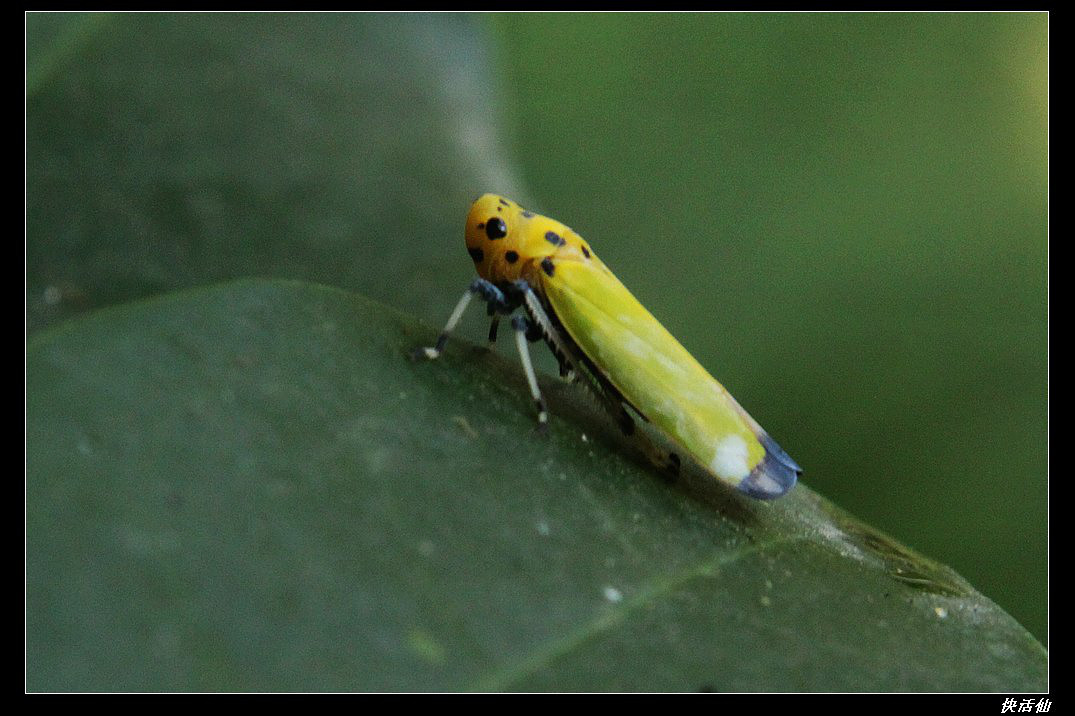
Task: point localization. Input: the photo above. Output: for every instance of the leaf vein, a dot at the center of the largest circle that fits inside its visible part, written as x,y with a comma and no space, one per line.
660,587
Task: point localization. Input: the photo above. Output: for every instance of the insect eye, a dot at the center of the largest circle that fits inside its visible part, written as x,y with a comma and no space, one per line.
495,228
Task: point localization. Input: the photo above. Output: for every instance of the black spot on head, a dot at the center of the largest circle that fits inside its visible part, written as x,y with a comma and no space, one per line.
476,254
528,214
585,251
511,256
495,228
554,238
547,266
504,201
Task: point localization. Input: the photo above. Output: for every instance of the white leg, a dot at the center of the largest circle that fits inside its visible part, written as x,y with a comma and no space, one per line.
519,324
487,291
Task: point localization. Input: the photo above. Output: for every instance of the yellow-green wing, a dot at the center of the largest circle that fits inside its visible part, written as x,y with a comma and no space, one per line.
662,380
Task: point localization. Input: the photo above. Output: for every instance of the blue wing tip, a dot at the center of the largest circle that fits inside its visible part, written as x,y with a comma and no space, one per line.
773,476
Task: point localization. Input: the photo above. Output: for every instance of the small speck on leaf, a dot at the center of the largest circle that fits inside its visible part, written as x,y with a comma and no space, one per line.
465,425
424,645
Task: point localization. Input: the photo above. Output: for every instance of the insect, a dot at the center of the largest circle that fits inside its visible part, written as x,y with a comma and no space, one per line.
603,338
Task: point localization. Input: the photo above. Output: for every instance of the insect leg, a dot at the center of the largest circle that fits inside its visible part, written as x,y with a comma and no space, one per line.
565,354
521,329
481,288
494,323
665,460
573,362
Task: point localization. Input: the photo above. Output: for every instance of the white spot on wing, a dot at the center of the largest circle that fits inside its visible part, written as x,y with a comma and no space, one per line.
730,459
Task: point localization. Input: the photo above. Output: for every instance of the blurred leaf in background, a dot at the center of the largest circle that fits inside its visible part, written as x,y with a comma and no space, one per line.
173,150
842,215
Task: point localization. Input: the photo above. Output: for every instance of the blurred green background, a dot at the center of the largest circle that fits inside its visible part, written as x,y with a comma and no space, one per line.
843,216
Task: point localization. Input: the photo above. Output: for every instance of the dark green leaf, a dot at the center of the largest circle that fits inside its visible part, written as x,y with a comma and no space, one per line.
251,487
